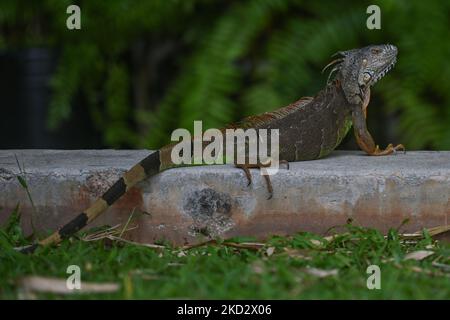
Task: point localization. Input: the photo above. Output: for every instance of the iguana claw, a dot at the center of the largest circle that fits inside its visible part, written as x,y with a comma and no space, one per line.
389,149
248,175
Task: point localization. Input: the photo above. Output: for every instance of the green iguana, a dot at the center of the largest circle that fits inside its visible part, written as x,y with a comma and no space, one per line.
309,128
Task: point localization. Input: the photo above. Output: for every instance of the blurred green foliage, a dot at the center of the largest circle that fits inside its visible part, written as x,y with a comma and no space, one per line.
148,67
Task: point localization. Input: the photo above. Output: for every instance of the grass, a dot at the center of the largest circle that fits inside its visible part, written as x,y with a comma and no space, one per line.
303,266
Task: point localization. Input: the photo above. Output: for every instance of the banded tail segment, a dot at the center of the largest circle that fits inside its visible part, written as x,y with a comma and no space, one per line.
149,166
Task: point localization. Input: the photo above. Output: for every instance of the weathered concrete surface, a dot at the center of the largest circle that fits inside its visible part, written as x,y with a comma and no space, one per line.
186,204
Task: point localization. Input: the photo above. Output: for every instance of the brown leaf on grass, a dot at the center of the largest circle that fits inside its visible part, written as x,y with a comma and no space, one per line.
443,266
316,242
412,236
429,272
334,236
418,255
321,273
238,245
438,230
29,285
200,244
181,254
270,251
419,270
434,232
298,253
245,245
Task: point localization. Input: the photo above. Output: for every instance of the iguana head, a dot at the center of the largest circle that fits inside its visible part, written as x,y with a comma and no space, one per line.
359,69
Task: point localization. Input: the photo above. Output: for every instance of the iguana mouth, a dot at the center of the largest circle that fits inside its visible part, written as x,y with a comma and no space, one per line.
385,71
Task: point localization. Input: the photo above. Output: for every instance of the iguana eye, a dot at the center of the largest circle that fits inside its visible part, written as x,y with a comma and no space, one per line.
366,77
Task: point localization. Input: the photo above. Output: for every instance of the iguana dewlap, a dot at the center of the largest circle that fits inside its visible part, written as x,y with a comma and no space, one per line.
309,128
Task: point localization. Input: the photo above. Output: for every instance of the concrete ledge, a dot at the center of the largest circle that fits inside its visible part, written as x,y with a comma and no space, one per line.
186,204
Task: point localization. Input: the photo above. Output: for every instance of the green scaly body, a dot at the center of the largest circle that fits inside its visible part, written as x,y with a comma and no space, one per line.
309,128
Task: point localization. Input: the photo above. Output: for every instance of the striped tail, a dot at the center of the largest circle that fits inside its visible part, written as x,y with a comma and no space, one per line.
150,166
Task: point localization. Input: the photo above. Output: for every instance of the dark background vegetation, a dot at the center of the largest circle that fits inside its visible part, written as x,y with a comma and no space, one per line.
139,69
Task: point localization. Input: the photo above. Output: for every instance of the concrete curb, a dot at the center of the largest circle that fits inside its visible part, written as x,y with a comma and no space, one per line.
187,205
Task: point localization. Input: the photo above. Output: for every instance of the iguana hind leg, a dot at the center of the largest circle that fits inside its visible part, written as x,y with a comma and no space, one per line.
248,175
285,162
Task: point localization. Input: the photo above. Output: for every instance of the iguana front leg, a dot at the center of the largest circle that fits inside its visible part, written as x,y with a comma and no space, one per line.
363,137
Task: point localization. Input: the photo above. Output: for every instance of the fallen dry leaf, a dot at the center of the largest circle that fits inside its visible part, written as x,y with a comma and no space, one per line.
316,242
298,253
240,245
438,230
445,267
321,273
428,272
418,255
334,236
181,254
32,284
435,231
245,245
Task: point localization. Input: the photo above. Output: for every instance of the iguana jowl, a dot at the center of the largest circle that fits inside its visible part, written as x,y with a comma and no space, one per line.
309,128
